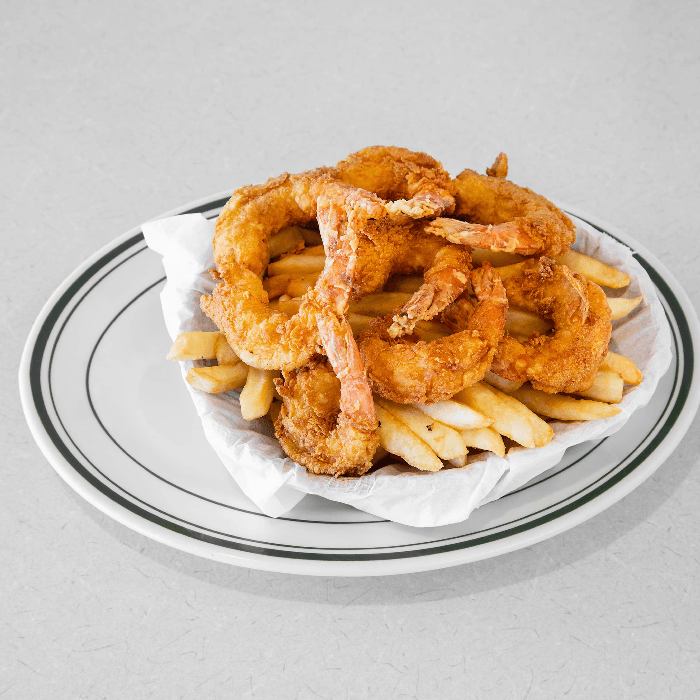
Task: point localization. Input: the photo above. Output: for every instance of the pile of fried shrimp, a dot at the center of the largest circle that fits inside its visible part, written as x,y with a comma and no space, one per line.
381,309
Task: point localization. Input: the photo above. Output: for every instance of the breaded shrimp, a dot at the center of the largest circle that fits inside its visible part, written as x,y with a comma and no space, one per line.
501,215
327,421
269,339
407,370
568,360
254,213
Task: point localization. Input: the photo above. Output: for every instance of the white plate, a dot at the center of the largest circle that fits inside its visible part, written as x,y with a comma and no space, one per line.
115,421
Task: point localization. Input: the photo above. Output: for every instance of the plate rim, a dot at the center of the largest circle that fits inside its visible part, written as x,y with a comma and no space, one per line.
374,566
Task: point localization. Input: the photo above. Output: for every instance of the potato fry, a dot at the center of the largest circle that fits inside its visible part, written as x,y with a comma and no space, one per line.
513,270
217,380
314,250
510,417
525,323
408,284
486,439
311,236
621,307
296,264
623,366
497,258
396,437
291,285
563,407
258,392
224,352
286,239
358,322
379,304
276,286
455,414
505,385
298,286
607,386
195,345
591,269
275,408
445,441
594,270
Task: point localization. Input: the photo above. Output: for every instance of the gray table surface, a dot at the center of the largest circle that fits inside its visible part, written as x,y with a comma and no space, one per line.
114,112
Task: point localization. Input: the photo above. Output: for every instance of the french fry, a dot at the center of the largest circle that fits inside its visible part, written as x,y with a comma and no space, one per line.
396,437
513,270
563,407
623,366
275,408
408,284
258,392
525,323
314,250
195,345
286,239
298,286
379,304
621,307
217,380
486,439
296,265
224,352
311,236
510,417
607,386
276,286
358,322
460,461
505,385
292,285
594,270
455,414
497,258
445,441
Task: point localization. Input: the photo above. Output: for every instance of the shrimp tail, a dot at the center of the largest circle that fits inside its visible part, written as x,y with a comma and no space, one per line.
508,237
356,402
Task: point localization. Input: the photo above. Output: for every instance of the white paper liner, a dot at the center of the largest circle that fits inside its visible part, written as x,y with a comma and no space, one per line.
276,484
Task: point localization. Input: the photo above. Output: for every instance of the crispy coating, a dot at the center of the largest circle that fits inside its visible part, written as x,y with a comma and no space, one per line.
240,306
568,360
499,167
414,183
500,215
270,339
317,429
408,370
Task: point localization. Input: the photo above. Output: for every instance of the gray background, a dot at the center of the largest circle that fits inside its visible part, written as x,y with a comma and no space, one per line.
110,116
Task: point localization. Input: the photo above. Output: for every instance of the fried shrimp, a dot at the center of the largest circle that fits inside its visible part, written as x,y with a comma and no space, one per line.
269,339
414,183
501,215
408,370
568,360
327,421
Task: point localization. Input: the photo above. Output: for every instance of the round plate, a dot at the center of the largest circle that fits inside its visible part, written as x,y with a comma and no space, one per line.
115,421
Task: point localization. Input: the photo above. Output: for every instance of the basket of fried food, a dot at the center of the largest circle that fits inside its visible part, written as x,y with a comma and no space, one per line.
380,313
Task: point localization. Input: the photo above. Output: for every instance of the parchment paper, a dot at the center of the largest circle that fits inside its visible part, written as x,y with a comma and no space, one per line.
276,484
